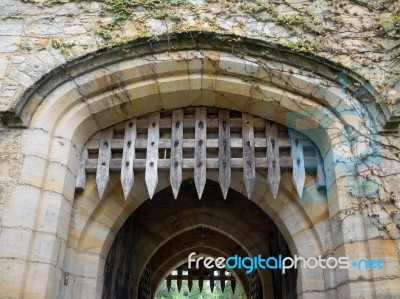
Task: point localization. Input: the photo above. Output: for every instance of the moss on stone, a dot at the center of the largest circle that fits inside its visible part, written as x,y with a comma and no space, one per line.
341,31
62,46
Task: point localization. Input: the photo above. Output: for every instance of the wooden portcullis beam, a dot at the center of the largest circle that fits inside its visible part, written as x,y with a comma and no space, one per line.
199,139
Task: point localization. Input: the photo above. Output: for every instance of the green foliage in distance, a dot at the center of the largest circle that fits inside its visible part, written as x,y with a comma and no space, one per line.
195,294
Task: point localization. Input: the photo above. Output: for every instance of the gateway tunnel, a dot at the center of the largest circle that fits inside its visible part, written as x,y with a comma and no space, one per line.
155,242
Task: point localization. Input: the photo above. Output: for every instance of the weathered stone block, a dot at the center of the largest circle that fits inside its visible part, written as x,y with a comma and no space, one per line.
43,27
324,232
11,27
55,215
64,152
35,142
20,208
11,277
330,277
84,288
75,30
385,250
39,286
306,243
45,248
310,280
5,169
4,60
355,252
294,224
59,179
348,229
9,44
88,264
14,243
356,290
20,77
387,288
169,64
174,93
238,66
32,172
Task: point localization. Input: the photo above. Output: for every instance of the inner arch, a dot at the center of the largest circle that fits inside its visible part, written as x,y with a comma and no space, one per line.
213,225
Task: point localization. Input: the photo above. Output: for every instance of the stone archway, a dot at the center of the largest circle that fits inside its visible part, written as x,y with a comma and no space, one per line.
164,229
262,193
64,111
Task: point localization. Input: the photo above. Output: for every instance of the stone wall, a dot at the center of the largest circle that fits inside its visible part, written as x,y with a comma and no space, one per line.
37,36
